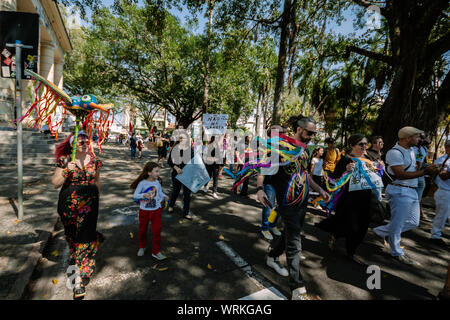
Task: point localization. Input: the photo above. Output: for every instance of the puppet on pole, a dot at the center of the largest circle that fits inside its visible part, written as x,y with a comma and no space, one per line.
48,97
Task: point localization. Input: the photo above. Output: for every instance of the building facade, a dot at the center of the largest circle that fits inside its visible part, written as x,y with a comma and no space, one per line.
54,42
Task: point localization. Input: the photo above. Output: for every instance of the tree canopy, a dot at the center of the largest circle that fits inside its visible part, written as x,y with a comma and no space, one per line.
274,59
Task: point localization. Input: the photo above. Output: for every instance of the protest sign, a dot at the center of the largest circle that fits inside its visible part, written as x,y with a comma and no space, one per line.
215,123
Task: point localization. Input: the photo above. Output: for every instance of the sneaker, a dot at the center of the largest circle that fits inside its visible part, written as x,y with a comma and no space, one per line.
141,252
79,292
274,264
215,196
404,259
267,235
220,176
275,231
300,294
159,256
188,216
170,209
439,242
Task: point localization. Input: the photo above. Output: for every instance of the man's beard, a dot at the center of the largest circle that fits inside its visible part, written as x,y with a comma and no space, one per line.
305,140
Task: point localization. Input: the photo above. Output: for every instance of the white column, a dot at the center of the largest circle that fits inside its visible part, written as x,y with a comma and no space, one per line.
7,99
58,74
8,5
46,64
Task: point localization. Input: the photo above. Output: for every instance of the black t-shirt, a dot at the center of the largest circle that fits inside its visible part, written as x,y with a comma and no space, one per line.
182,164
133,142
280,180
166,143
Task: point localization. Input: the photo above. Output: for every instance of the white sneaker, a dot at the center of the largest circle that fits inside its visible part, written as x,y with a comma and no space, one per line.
170,209
141,252
267,234
215,196
275,231
300,294
159,256
274,264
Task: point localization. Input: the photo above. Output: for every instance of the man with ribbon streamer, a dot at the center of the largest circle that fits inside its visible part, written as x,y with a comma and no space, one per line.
291,181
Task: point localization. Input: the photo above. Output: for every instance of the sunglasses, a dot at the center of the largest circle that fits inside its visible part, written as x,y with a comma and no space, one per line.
82,142
363,144
311,133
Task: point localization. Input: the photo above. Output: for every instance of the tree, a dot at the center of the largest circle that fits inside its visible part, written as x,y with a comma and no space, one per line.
418,36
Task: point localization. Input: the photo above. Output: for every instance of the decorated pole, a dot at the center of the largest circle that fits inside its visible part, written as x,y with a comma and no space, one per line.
18,45
75,139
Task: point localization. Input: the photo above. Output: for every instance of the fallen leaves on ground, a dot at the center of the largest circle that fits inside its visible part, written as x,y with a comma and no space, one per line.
180,221
16,221
55,253
55,281
210,266
210,228
163,269
131,235
221,237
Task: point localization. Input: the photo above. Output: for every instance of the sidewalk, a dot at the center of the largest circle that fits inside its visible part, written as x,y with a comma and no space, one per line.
197,266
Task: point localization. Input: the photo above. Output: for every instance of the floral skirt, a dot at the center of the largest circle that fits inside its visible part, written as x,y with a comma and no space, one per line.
78,210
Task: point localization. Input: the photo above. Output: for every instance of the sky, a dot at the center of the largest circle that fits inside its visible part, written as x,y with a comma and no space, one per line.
346,27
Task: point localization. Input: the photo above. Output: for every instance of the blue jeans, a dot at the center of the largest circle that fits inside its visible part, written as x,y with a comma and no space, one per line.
420,187
290,241
133,152
176,188
271,195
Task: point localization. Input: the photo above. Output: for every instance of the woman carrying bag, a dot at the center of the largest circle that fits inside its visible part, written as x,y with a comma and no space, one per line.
353,210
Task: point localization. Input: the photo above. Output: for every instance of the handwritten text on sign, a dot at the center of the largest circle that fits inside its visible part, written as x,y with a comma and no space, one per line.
215,123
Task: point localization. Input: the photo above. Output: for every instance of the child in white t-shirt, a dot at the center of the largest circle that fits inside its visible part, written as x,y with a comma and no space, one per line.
148,192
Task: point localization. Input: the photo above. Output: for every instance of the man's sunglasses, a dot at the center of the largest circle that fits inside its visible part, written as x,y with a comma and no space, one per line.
311,133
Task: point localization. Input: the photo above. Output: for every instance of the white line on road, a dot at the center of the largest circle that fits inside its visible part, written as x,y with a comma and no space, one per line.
268,292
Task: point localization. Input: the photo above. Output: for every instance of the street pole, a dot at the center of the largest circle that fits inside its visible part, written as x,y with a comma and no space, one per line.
18,45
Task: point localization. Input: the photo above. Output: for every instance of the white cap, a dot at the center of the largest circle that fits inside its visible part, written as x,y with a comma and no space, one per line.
406,132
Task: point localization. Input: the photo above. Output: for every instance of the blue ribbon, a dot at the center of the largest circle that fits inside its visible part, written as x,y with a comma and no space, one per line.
364,173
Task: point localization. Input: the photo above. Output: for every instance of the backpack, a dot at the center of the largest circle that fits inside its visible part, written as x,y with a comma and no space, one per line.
392,177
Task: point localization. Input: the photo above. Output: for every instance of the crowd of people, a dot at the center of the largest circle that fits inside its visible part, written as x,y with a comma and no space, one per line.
325,171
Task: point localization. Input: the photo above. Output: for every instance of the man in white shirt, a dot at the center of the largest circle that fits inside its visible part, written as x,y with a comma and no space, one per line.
442,196
401,193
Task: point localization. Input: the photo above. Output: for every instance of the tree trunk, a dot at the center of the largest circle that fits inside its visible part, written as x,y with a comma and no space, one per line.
410,26
207,63
281,68
258,113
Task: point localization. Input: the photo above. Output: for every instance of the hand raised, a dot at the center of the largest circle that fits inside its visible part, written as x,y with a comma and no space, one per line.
71,166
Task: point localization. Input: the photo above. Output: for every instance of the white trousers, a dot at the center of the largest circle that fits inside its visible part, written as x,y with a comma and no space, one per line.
442,198
405,215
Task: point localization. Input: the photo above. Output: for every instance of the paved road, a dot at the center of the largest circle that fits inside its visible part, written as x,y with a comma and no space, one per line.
221,254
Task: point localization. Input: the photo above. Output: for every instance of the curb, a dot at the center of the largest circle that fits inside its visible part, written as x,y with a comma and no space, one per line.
26,271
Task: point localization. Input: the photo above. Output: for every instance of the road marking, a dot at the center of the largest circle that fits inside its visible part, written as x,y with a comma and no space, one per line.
265,294
267,290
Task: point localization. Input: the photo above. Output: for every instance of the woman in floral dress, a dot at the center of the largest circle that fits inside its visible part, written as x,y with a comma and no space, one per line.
78,206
